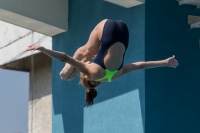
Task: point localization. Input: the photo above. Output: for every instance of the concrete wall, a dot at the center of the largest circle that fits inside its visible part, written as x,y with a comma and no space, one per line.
46,17
119,106
126,3
172,95
14,40
40,98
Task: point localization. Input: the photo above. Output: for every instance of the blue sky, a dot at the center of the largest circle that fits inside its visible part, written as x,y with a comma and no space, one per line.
14,89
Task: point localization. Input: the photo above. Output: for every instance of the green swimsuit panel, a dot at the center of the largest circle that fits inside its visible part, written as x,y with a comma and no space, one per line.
109,75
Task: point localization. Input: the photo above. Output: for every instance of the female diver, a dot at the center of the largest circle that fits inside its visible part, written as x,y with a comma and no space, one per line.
101,58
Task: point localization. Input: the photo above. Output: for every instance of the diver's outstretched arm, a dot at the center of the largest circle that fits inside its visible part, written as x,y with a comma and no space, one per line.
61,56
53,54
170,62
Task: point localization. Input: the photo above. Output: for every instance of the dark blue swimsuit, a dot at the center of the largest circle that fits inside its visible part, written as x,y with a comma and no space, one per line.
114,31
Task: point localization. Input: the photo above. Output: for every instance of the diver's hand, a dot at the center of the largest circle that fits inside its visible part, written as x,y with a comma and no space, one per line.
72,75
172,62
34,47
69,72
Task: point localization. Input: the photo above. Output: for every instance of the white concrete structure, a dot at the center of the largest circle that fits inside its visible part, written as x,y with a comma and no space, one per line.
49,17
40,95
13,42
194,21
126,3
191,2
